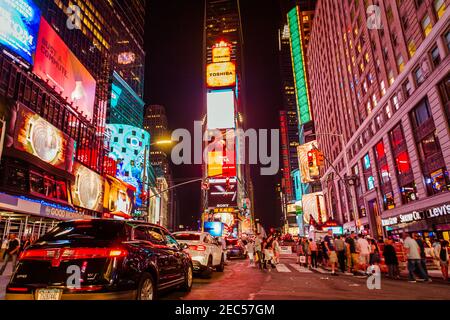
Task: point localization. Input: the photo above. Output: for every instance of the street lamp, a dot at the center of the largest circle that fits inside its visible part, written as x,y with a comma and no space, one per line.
349,178
162,142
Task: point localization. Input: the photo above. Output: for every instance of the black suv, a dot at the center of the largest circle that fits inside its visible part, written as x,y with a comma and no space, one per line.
101,259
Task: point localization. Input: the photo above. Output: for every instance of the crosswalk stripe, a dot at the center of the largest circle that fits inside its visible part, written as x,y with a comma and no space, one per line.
300,269
282,268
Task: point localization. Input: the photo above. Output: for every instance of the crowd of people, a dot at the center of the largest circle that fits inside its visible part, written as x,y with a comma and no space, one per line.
354,254
264,252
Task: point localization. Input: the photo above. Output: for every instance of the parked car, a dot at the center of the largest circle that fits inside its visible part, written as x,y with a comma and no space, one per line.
205,251
236,249
113,260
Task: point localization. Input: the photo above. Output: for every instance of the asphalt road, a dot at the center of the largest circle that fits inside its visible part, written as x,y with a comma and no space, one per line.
291,282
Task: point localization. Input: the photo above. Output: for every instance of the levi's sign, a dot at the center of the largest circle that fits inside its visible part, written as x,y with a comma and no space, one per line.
439,211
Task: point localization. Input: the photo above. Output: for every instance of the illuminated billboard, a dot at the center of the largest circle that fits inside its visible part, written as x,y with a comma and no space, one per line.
221,111
222,194
220,75
119,199
129,147
313,203
299,66
222,156
87,189
221,52
308,174
35,136
214,228
57,65
19,26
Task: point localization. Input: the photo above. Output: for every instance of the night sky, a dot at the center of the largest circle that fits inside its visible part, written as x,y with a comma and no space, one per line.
174,79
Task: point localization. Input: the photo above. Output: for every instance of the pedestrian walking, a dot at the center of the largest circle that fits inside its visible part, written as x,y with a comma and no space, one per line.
259,250
250,247
268,253
423,257
306,251
340,250
391,260
276,250
443,254
11,253
413,255
313,250
363,247
352,254
374,253
331,251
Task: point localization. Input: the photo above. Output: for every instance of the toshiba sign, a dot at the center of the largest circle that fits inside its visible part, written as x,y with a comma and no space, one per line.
219,75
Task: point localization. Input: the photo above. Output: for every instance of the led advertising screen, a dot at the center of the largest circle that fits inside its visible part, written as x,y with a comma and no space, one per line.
120,198
219,196
214,228
221,111
19,26
56,64
222,156
305,170
221,52
128,147
87,189
220,75
34,135
312,204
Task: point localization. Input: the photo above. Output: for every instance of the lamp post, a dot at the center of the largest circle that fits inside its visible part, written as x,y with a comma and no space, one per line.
349,179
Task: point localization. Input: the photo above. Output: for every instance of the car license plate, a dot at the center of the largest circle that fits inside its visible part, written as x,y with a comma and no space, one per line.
48,294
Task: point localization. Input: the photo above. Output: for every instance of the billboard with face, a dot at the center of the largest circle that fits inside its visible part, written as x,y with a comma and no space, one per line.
19,26
87,190
57,65
34,135
222,194
222,155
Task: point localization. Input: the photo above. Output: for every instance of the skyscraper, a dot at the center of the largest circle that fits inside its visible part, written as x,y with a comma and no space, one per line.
379,82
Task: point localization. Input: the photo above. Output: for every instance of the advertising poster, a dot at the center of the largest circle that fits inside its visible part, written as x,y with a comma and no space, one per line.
221,196
19,26
56,64
312,204
87,190
305,170
221,111
119,198
215,229
222,156
34,135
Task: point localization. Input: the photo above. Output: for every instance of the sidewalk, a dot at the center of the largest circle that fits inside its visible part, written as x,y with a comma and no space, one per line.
4,280
435,275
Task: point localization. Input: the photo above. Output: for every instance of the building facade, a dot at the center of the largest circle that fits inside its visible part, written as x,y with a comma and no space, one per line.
382,85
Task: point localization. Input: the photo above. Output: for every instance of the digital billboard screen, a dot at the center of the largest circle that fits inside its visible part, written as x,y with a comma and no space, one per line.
87,189
214,228
19,26
34,135
308,174
221,161
221,194
221,111
57,65
221,75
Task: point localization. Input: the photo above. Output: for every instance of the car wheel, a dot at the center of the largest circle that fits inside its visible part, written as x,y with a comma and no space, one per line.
146,289
188,279
221,266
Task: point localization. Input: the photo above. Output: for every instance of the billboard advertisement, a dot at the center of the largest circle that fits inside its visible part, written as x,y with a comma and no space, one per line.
34,135
221,111
221,52
19,26
119,199
87,190
222,156
57,65
214,228
129,148
222,194
220,75
314,207
308,174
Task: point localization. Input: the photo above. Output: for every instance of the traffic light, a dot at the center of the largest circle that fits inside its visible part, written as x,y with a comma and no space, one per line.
320,159
311,155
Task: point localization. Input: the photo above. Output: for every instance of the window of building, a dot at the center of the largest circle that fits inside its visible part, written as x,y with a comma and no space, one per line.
426,25
409,193
383,88
367,172
365,87
400,63
408,88
374,100
411,48
369,107
384,176
444,90
439,8
391,77
421,113
447,40
435,56
395,102
388,111
418,75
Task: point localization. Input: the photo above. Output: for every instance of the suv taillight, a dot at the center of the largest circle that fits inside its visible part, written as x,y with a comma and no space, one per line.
198,248
73,253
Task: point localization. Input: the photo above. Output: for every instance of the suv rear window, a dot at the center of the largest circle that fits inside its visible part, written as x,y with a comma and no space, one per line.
98,230
187,236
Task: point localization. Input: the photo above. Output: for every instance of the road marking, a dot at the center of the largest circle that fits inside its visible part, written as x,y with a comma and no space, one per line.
300,268
282,268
